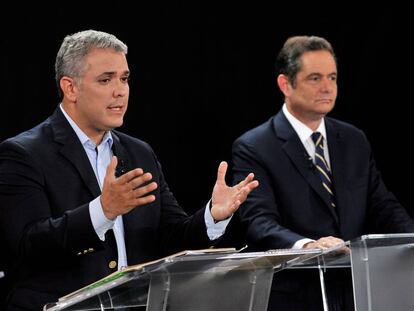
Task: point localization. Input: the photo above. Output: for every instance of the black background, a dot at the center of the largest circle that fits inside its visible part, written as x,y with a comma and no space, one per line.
202,74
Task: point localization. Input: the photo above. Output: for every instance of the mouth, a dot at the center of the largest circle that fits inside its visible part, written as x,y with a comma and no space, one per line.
116,108
325,101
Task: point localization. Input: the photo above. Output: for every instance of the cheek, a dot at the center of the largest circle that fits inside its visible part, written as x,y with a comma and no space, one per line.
306,95
94,107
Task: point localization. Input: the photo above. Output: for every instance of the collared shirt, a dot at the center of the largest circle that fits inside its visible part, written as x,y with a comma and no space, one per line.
305,136
100,157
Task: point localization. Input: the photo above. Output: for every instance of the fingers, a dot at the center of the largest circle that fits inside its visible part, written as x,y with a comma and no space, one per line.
137,179
133,181
221,173
142,191
245,181
248,182
325,243
144,200
246,189
239,198
110,170
328,242
120,195
131,175
252,185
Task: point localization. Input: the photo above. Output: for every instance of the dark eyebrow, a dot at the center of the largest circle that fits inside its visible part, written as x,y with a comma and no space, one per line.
319,74
314,74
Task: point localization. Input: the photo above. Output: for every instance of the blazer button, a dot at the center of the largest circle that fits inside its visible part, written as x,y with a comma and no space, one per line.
112,264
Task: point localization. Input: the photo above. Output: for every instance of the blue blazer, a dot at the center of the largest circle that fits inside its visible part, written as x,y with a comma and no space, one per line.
290,203
46,184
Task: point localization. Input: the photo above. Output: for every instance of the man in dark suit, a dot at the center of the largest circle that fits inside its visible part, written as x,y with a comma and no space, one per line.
310,197
79,200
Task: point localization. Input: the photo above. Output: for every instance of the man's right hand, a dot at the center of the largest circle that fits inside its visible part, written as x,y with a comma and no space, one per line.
122,194
324,242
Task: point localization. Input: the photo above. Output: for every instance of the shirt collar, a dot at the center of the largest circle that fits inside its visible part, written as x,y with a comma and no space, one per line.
300,128
84,139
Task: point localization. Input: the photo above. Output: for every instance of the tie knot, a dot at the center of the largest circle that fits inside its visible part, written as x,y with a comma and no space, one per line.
317,138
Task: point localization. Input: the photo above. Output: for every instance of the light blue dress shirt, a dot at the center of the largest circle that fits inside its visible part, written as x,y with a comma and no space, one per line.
100,157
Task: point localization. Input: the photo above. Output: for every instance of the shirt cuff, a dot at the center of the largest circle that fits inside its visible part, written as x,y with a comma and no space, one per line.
214,229
300,243
100,223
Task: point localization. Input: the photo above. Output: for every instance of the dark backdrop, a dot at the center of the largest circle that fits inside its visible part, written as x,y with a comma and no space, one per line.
202,74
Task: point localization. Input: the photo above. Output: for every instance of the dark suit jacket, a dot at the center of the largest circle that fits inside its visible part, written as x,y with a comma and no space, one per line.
290,203
46,184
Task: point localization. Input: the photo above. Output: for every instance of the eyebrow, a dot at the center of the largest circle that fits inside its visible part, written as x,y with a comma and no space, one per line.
320,74
112,73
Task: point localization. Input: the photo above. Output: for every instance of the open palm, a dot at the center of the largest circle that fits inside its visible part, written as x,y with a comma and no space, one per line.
226,200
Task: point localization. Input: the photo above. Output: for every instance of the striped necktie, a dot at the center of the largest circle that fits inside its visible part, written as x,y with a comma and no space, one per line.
322,166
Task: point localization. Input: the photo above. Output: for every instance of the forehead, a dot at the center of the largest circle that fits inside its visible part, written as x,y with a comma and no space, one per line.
318,62
105,60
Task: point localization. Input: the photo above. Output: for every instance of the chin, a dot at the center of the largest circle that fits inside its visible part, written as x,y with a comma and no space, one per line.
326,108
114,125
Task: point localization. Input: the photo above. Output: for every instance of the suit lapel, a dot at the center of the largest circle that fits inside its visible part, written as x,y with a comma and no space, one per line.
120,152
336,155
300,158
72,150
124,166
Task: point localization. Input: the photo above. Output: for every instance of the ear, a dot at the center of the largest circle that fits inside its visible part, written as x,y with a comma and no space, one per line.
69,88
284,84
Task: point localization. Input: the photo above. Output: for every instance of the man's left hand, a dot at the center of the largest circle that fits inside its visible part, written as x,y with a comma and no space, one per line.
226,200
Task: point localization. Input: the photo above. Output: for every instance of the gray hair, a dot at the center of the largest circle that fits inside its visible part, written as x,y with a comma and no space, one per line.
71,55
288,61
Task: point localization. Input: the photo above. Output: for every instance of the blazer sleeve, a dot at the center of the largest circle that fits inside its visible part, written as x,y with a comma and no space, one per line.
30,225
260,212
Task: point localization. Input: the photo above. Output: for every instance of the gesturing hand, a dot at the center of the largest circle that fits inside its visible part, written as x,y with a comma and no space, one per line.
120,195
226,200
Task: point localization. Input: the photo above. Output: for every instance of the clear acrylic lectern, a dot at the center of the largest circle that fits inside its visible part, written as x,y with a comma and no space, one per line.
190,280
382,270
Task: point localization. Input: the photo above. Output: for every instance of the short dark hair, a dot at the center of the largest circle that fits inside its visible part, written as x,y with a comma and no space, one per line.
288,61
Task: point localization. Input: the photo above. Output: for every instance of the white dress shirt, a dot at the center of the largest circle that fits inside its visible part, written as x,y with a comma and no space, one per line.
305,136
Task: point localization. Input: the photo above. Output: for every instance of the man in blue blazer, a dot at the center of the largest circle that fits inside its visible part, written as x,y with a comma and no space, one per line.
79,200
294,207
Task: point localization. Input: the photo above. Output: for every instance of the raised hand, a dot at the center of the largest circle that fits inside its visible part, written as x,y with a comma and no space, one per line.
120,195
226,200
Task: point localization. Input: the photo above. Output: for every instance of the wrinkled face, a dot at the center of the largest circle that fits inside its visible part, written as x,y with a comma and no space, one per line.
102,92
315,91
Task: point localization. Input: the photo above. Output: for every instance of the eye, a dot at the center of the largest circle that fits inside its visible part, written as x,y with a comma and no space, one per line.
104,80
125,79
314,78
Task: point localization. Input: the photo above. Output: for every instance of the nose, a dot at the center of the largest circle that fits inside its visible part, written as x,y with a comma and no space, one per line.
121,89
328,85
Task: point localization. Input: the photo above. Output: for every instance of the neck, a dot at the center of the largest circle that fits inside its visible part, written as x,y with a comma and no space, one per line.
94,134
311,121
97,138
313,125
